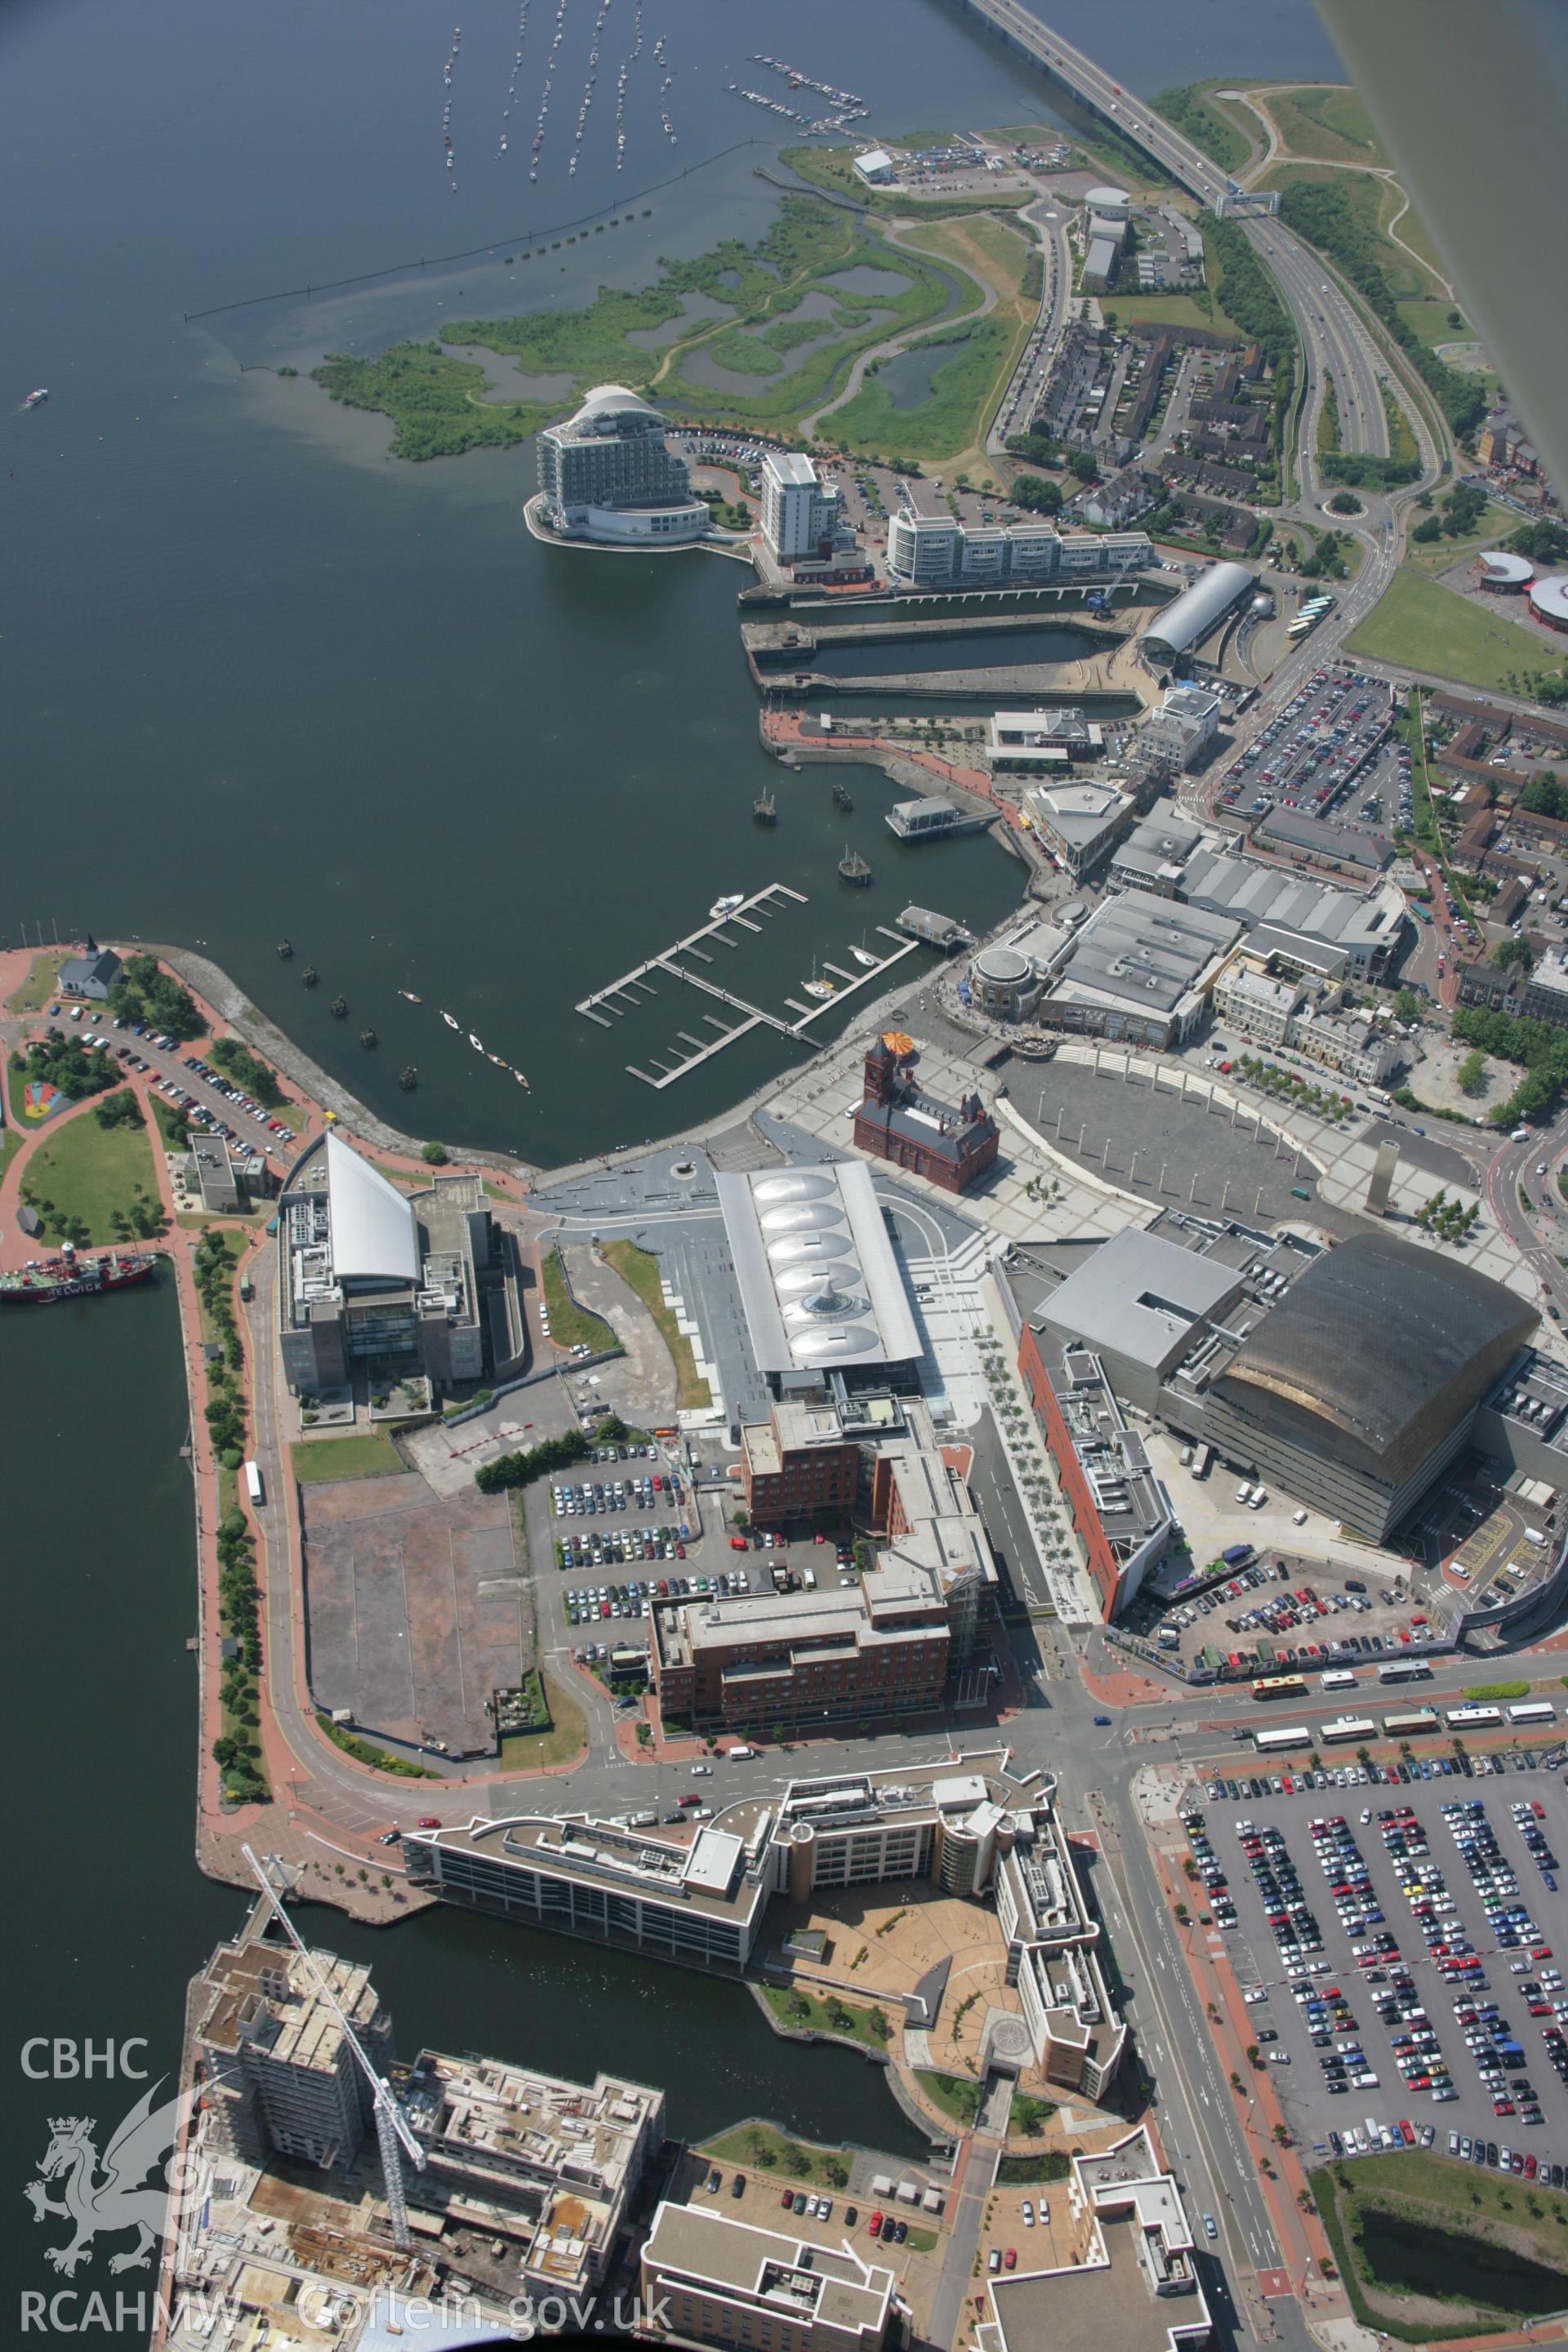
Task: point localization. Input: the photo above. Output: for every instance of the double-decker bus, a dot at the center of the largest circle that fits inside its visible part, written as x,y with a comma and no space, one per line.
1280,1686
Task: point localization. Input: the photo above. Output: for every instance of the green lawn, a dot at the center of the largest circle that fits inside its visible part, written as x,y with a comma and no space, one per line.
1437,554
1327,120
91,1172
1169,310
317,1460
571,1325
38,989
1423,625
1429,314
957,2095
532,1751
853,2021
763,2147
639,1268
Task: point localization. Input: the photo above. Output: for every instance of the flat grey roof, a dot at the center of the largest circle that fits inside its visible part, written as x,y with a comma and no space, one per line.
1145,951
1080,813
819,1283
1086,2307
1350,842
791,466
1264,894
1140,1295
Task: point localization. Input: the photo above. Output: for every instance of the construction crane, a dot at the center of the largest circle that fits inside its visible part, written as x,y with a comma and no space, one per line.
392,2130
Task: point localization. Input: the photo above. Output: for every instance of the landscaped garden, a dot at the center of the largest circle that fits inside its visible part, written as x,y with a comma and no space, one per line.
94,1181
804,2012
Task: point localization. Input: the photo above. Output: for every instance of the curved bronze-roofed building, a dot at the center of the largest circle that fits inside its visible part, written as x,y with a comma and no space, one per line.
1359,1388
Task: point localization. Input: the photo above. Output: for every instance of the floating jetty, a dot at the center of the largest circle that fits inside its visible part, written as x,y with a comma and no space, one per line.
934,931
631,991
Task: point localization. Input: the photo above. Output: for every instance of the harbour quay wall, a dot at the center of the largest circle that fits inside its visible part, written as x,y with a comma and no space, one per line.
229,1002
866,751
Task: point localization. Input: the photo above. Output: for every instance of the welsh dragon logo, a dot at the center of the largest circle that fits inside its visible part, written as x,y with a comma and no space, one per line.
102,2197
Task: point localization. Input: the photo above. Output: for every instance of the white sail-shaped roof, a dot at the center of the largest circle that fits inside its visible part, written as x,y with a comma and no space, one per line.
374,1237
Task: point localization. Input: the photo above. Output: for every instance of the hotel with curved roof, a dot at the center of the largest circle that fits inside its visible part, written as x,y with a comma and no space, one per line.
608,474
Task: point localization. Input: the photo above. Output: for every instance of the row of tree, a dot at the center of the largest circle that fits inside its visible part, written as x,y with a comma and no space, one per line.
249,1073
1326,218
238,1752
521,1469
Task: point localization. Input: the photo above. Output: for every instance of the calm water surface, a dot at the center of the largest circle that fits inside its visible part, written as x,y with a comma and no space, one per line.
262,681
269,683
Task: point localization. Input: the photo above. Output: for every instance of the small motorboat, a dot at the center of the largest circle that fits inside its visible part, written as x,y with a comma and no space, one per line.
722,907
36,399
450,1023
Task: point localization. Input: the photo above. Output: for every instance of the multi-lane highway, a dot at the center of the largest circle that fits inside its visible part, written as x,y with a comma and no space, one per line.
1335,344
1335,340
1048,218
